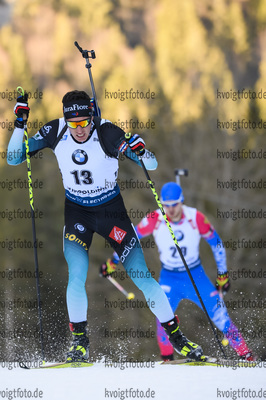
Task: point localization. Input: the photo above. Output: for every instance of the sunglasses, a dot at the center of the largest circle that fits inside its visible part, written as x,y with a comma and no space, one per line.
75,124
170,204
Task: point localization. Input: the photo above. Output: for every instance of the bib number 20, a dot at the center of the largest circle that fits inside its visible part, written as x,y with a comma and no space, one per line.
174,251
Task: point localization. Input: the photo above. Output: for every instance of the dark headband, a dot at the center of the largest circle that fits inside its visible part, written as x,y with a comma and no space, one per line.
78,108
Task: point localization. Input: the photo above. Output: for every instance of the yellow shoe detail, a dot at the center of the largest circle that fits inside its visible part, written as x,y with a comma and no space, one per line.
185,350
175,330
80,348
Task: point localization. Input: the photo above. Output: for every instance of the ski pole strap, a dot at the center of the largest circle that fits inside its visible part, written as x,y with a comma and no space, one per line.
20,91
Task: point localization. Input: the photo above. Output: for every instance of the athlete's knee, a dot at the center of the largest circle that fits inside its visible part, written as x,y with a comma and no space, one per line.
78,262
76,251
76,281
131,253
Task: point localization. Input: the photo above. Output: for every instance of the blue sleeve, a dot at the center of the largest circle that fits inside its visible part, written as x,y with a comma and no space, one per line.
17,149
45,137
218,252
138,233
148,159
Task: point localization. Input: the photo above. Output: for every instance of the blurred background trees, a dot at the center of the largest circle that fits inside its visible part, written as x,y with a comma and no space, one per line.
184,52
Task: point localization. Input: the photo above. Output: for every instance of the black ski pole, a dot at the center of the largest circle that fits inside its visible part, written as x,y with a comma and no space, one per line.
127,136
21,92
90,54
129,295
180,172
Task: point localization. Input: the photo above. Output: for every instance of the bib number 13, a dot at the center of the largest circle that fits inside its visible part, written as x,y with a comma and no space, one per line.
83,176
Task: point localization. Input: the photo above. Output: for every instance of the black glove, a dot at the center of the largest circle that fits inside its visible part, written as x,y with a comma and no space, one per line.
136,144
21,110
222,282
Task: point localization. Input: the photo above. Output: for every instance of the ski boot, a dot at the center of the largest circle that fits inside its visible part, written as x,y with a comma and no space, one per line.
79,350
243,351
167,358
179,342
249,357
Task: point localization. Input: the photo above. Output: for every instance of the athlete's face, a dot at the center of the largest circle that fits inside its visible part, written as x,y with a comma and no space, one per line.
173,211
80,134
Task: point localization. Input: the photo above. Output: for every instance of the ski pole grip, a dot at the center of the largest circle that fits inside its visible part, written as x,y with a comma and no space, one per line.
20,90
22,93
78,46
128,136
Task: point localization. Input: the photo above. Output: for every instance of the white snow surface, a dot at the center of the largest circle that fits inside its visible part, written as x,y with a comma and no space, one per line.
160,382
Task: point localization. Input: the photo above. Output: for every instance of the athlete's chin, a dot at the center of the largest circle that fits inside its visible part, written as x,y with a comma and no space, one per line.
174,217
171,215
81,138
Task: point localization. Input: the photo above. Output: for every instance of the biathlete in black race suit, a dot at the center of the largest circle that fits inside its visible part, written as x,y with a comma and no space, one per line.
87,150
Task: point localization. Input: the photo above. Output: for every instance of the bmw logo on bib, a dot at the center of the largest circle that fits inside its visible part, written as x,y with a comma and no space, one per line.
179,235
80,157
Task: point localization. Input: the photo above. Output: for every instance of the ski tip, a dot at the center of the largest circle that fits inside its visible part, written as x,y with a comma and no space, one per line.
23,365
63,364
73,364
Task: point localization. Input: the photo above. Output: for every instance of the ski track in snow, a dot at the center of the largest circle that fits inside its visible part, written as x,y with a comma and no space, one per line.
101,382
